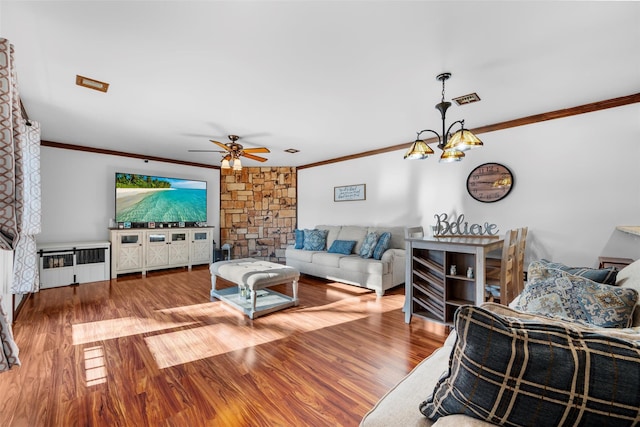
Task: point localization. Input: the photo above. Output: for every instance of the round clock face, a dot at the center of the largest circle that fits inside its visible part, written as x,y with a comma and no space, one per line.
489,182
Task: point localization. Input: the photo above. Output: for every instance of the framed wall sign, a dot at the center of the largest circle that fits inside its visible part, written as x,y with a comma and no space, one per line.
347,193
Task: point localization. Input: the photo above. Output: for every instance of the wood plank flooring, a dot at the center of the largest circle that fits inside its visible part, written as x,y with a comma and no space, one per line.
155,351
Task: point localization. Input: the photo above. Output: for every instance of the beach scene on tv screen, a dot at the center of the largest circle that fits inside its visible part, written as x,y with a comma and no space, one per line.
144,198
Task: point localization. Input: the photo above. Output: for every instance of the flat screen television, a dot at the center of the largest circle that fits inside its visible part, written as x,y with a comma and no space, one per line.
144,199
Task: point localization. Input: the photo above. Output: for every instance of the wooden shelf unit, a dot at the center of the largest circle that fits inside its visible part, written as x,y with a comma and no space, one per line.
430,291
144,249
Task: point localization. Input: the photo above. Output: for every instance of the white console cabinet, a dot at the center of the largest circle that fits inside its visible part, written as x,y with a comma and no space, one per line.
72,263
141,250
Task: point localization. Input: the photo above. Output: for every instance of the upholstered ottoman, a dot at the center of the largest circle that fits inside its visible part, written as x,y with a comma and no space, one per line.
253,276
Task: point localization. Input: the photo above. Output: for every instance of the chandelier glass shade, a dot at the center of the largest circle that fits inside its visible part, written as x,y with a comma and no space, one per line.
452,146
419,150
463,140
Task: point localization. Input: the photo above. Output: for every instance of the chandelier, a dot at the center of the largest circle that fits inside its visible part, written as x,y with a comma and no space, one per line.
452,146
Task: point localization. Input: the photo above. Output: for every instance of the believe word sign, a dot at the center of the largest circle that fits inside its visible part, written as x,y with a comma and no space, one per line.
446,227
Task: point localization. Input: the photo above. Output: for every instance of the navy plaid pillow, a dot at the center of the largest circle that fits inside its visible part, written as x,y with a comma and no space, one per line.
511,371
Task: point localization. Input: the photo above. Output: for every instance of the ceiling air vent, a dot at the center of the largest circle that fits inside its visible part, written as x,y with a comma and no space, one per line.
291,150
467,99
91,83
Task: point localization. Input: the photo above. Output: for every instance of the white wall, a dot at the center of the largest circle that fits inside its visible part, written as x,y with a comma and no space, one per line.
78,192
575,180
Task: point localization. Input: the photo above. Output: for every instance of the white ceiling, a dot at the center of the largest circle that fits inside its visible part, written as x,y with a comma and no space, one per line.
330,78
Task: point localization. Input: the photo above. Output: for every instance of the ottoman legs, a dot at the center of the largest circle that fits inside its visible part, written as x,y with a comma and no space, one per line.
254,293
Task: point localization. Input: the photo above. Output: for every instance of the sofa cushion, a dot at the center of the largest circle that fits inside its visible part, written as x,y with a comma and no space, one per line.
299,254
315,240
600,275
326,259
299,239
342,247
369,245
353,232
382,245
364,265
511,371
554,292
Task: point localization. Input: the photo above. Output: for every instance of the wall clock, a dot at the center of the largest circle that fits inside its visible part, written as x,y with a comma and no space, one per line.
489,182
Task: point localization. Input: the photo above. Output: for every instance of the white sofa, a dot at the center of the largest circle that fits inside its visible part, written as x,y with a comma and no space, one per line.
400,406
377,275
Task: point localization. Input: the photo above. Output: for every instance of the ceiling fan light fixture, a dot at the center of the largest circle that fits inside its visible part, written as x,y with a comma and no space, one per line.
232,151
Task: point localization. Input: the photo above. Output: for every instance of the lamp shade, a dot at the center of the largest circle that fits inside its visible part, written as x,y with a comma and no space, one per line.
418,150
237,166
225,164
463,140
450,156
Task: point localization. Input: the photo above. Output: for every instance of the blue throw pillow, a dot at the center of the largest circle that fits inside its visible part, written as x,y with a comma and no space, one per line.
315,240
342,247
299,239
369,244
382,245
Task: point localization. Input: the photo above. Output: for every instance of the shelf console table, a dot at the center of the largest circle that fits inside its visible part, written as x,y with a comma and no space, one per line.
72,263
431,290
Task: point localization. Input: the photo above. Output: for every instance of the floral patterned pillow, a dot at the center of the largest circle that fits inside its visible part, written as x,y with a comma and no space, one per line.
554,292
369,245
315,240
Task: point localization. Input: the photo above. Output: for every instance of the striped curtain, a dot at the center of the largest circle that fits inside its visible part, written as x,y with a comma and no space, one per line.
20,213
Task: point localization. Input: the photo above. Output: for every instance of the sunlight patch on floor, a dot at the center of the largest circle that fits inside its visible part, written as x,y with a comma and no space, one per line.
227,333
94,368
179,347
115,328
188,345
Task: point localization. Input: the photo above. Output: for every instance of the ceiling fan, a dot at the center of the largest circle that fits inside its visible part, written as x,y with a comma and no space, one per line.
233,151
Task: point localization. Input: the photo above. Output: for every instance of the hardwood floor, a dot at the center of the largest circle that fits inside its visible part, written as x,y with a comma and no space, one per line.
155,351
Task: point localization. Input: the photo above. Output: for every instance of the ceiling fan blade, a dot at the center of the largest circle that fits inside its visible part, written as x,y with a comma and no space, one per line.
220,144
252,157
206,151
256,150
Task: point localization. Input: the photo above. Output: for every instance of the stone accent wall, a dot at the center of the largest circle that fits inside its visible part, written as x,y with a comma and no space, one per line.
258,211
